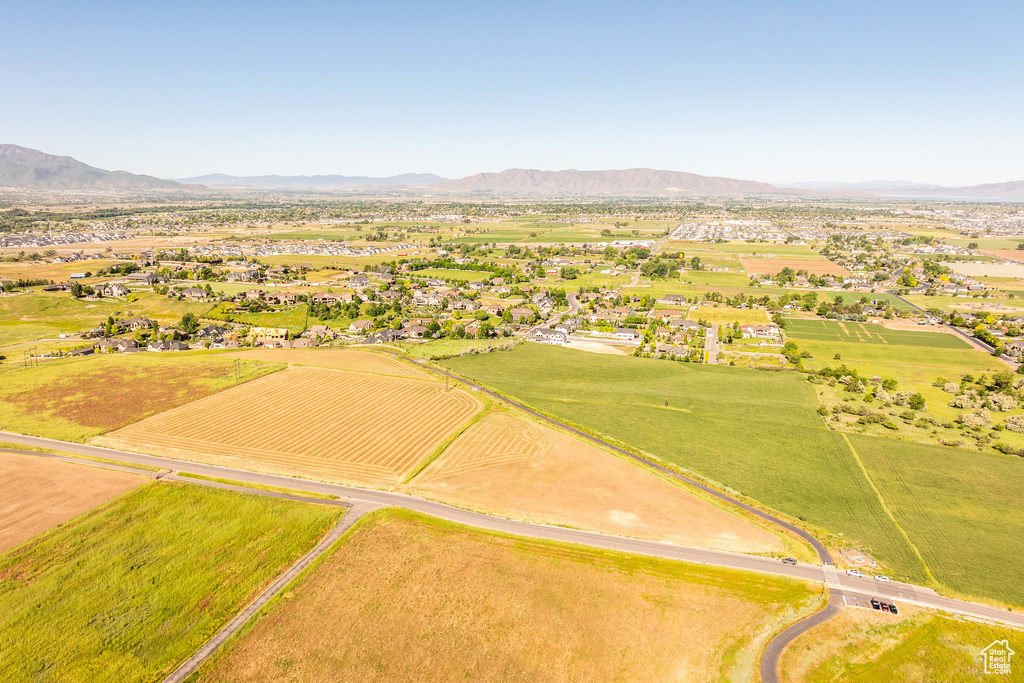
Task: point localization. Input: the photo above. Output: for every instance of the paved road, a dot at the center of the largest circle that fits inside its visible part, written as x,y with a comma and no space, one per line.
193,662
899,592
711,344
770,658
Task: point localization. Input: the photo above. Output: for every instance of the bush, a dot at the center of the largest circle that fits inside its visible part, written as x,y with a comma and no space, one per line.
916,401
1001,403
1015,423
976,418
968,400
951,388
882,395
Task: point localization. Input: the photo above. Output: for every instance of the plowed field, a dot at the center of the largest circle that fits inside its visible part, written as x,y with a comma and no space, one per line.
305,420
814,266
339,359
37,494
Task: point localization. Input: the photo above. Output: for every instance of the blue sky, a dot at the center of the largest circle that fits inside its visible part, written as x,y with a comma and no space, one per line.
779,92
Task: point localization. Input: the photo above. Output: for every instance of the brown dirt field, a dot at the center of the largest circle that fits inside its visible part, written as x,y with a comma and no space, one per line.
516,468
312,421
406,598
1008,254
339,359
897,324
770,266
37,494
111,397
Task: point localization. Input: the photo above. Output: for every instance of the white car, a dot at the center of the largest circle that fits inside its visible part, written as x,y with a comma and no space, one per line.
854,572
883,578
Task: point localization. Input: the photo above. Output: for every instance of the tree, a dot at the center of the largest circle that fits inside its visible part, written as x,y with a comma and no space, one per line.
189,323
570,272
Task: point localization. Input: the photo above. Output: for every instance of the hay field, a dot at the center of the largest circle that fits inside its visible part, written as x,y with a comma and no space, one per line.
408,598
917,645
339,359
313,421
727,315
37,494
990,269
508,465
770,266
868,333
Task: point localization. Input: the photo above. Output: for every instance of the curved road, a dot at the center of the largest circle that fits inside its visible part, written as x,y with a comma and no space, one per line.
924,597
770,658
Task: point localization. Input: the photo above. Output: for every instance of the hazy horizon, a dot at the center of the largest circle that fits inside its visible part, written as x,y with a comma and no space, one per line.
781,94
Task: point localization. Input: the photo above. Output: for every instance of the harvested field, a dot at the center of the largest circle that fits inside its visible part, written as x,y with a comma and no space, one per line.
1008,254
771,266
408,598
346,425
76,398
339,359
37,494
990,269
507,465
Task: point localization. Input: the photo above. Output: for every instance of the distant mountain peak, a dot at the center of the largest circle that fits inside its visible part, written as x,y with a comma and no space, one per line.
26,168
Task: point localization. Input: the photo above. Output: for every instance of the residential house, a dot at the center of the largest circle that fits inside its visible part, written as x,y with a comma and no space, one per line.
416,331
111,290
268,335
328,298
167,346
359,326
138,323
543,335
248,275
320,332
195,293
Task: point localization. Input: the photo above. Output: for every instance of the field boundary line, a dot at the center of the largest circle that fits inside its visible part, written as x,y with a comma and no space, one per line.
446,444
186,668
888,512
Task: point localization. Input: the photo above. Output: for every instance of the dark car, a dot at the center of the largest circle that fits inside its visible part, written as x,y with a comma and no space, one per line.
789,560
885,607
875,604
892,608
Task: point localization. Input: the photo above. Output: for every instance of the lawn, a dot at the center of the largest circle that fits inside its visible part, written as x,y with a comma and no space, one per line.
867,333
756,433
407,597
960,508
451,274
73,399
294,319
861,646
128,591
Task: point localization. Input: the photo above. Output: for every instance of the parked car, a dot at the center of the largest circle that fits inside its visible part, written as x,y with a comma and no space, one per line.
892,608
875,604
789,560
854,572
883,578
885,607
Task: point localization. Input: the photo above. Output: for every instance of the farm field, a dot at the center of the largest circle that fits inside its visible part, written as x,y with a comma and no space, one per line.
755,433
129,590
76,398
407,597
971,537
992,269
347,426
351,360
439,348
816,265
1008,254
452,274
37,494
293,319
867,333
913,367
508,465
747,248
862,646
726,316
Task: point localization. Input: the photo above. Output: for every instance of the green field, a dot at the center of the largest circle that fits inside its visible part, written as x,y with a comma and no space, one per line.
754,432
126,592
960,508
451,274
922,646
866,333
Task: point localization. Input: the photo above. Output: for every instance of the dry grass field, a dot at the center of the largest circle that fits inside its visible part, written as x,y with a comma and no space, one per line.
37,494
408,598
339,359
311,421
508,465
771,266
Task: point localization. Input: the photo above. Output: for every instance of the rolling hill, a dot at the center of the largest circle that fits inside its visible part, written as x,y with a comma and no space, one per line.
26,168
313,182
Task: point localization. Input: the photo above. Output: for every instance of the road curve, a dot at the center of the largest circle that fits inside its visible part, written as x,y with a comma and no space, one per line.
770,658
918,595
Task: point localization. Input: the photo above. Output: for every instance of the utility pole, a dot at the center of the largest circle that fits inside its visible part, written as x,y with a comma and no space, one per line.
666,397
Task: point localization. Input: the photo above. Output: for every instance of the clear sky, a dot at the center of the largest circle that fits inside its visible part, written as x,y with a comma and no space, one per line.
771,91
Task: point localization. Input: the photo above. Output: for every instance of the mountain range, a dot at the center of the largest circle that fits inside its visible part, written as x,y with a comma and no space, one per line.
21,167
31,169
